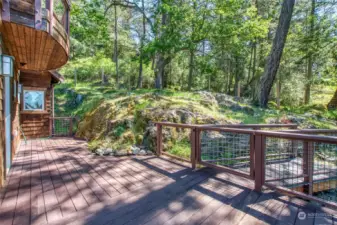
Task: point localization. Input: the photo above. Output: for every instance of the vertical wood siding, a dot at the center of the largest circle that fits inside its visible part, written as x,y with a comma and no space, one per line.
36,125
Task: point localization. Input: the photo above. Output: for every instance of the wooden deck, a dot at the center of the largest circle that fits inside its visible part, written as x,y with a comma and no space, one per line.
57,181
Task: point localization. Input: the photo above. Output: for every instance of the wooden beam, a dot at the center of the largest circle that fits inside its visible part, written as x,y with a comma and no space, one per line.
159,139
193,148
50,126
252,156
50,7
259,161
308,164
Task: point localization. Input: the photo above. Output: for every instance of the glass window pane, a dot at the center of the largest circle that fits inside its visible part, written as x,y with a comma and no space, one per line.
33,100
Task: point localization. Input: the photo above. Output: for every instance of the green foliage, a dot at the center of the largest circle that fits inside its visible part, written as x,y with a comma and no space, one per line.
228,40
118,131
181,149
89,68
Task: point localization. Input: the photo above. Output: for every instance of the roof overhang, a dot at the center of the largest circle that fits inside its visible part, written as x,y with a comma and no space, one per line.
56,76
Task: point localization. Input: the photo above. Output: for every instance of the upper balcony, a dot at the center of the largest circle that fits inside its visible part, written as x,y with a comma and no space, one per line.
36,32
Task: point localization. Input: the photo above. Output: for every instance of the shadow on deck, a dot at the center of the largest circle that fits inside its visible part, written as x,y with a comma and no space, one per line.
58,181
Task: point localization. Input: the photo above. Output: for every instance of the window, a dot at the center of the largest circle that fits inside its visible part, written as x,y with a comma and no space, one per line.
33,100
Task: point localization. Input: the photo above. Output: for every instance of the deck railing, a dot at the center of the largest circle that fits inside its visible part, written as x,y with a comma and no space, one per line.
62,126
298,162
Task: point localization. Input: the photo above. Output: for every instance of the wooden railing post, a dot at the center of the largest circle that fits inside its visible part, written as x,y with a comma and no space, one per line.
159,139
307,165
50,126
70,126
38,14
259,150
252,156
198,145
6,12
193,147
50,7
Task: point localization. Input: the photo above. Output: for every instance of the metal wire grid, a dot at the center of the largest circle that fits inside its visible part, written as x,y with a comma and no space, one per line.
325,171
226,149
61,126
284,162
308,167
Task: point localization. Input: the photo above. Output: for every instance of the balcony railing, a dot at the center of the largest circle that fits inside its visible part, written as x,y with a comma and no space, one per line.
62,126
51,16
297,162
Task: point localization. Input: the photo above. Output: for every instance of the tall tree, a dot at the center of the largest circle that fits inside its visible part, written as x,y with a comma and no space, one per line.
275,55
310,53
141,56
116,45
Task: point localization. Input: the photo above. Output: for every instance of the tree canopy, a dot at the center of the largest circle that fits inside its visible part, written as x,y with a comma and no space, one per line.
214,45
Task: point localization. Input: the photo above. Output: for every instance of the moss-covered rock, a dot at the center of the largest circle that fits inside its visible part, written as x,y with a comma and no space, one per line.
125,121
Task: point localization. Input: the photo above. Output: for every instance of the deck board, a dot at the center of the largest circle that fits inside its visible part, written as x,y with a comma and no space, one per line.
58,181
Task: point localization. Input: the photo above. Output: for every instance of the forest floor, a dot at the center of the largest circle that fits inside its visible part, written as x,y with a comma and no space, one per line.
132,112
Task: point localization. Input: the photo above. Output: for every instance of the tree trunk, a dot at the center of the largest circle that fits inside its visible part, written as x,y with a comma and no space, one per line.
160,62
278,94
237,77
103,76
230,77
275,55
75,77
159,71
190,72
254,60
310,54
140,75
116,48
250,64
203,48
165,76
209,82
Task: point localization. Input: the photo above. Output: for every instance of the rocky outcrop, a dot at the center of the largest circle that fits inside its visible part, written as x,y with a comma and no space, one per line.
125,125
234,103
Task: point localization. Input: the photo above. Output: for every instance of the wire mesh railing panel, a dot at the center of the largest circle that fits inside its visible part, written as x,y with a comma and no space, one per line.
284,162
325,171
304,166
226,149
62,126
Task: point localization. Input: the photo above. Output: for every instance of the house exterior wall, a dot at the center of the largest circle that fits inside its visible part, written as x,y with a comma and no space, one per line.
15,110
36,124
2,137
15,126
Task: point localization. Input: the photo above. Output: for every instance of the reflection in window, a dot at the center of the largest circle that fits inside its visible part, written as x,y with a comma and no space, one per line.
33,100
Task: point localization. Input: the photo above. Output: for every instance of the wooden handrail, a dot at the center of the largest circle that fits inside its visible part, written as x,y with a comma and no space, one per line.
257,151
255,126
228,125
299,137
35,9
311,131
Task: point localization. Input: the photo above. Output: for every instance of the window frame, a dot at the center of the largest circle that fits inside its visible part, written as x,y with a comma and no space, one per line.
43,90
